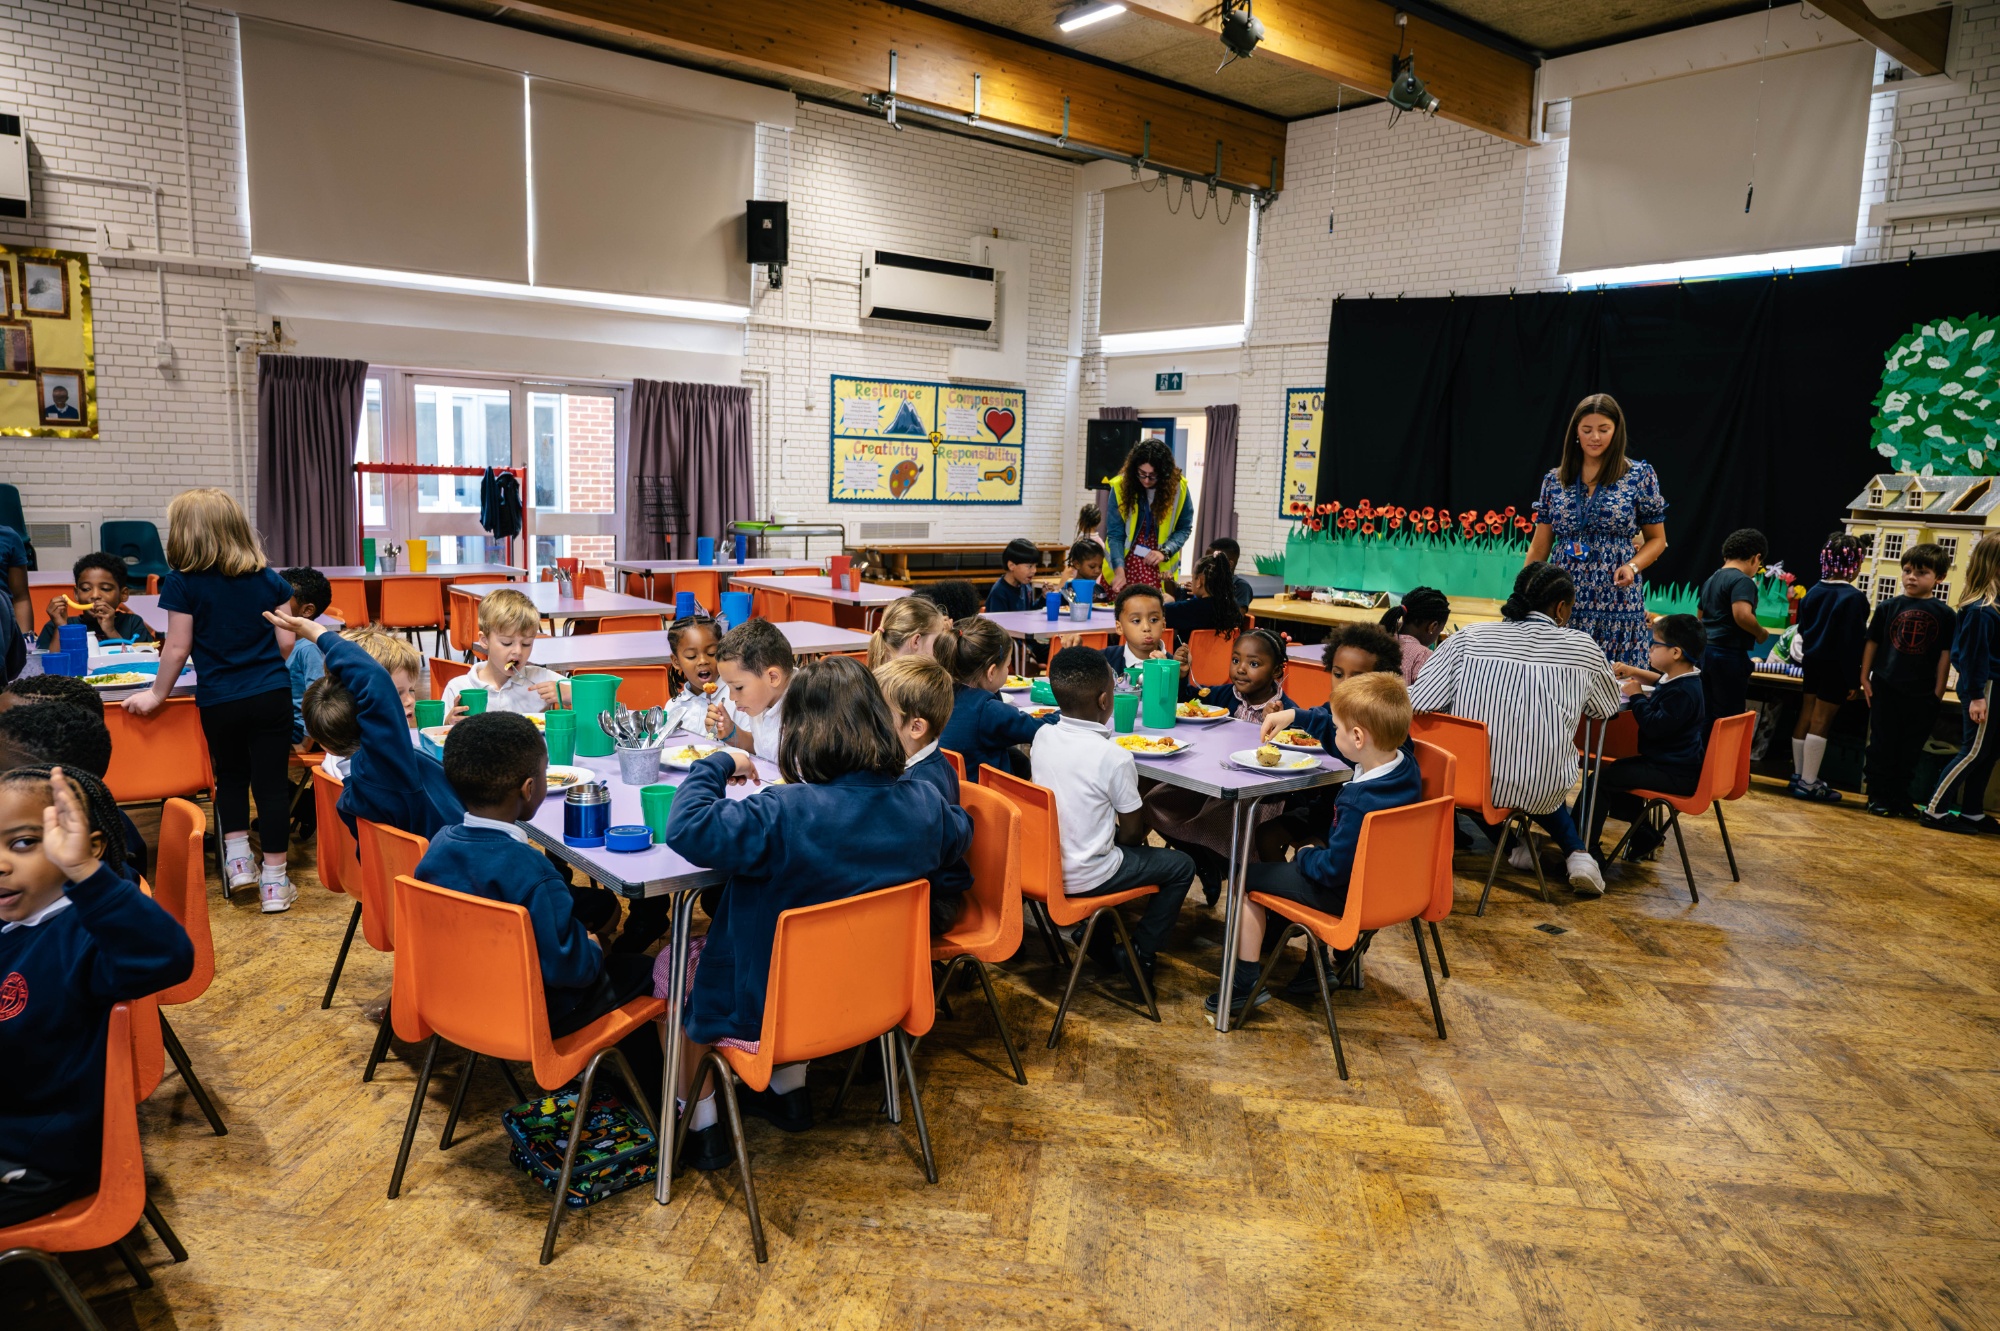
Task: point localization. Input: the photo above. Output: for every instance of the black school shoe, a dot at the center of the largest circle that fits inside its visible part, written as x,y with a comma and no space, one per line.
1881,810
1147,962
1952,822
706,1149
1239,995
790,1112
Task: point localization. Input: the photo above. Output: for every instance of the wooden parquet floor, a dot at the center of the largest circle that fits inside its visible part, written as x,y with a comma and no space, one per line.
1777,1109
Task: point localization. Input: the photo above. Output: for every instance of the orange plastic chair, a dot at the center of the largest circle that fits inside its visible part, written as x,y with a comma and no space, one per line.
629,624
347,601
386,854
989,930
181,888
153,585
413,605
1728,745
150,756
639,584
1208,656
957,761
842,974
443,671
1439,770
464,623
1308,684
706,584
1394,880
107,1217
1042,883
640,685
1738,788
771,605
473,978
806,610
593,577
1467,742
338,863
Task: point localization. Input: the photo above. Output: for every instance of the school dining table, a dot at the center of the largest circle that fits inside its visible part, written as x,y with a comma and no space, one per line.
446,571
1204,767
1023,625
148,609
652,568
559,607
1464,610
597,651
657,871
871,597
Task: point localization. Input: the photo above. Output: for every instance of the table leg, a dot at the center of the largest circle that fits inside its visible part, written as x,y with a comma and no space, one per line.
1242,828
670,1077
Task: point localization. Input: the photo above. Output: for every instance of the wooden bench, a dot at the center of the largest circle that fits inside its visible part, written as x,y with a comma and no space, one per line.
913,565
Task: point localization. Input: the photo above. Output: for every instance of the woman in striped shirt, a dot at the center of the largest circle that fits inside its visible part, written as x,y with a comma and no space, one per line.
1530,680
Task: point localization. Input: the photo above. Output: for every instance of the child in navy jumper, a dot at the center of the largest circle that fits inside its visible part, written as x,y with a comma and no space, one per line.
59,733
1975,649
498,766
99,602
359,712
216,598
982,728
1142,631
76,936
843,823
1015,588
1673,733
1371,729
1904,670
919,693
310,594
1833,629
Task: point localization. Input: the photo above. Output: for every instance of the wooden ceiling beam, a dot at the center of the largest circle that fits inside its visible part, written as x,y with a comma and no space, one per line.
845,44
1353,41
1915,41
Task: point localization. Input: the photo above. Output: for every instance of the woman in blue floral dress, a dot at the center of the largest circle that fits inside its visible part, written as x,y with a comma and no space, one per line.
1601,516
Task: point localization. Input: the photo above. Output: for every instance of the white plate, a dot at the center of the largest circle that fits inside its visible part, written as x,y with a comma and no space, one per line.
680,757
1177,752
1314,747
1200,720
562,777
1011,687
123,679
1040,710
1247,759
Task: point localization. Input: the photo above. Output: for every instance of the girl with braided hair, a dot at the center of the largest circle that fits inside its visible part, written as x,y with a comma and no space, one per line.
1833,631
78,936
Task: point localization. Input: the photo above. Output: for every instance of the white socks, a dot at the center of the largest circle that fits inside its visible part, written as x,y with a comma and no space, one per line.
704,1113
1814,751
1799,756
236,846
789,1078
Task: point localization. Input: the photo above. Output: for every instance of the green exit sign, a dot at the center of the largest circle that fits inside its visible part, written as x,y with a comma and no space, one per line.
1170,381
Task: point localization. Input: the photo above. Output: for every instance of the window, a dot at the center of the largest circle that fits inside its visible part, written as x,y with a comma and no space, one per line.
1892,545
1949,544
1875,496
564,434
1942,591
1885,589
1915,499
1861,582
1868,542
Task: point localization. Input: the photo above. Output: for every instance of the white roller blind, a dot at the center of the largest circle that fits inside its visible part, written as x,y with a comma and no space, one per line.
385,158
1165,270
633,198
1658,172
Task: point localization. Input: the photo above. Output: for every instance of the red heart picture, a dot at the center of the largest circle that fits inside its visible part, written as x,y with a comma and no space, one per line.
13,996
999,420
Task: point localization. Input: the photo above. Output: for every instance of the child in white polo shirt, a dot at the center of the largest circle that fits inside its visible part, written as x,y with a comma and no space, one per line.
1096,786
508,627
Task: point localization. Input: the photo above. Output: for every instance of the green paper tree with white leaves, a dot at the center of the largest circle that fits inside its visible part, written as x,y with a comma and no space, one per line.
1936,414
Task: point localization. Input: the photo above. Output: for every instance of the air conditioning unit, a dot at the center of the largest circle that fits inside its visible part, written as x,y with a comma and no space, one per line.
13,168
61,540
913,289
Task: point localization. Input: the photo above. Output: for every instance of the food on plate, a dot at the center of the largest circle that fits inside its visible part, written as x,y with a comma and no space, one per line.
1298,739
1153,744
559,780
1039,712
1192,708
536,718
1018,682
1270,755
694,753
119,679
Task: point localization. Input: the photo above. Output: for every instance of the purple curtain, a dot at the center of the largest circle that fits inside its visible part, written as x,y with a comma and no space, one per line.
1216,514
308,413
698,435
1102,498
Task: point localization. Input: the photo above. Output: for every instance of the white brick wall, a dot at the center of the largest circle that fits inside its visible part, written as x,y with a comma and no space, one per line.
98,88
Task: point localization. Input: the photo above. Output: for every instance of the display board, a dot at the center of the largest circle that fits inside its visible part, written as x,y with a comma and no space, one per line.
48,361
1305,408
913,442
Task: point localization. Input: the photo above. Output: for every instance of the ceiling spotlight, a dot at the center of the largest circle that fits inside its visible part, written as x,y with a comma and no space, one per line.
1241,30
1406,91
1085,15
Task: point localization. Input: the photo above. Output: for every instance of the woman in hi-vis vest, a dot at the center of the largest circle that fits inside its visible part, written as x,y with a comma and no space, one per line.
1151,516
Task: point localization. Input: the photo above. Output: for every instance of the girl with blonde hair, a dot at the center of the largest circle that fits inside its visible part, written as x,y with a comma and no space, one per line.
215,599
909,627
1975,650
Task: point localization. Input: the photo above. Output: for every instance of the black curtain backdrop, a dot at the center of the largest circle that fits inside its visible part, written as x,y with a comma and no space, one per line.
1750,396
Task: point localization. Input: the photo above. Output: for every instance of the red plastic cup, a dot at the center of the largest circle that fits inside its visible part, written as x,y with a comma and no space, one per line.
854,579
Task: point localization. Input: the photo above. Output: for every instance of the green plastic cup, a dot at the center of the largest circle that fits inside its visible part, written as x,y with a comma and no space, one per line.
430,712
474,700
655,802
1124,712
1040,693
589,696
559,731
368,553
1133,676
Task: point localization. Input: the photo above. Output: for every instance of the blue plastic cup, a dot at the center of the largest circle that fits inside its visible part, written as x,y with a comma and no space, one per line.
704,549
1054,603
736,608
683,604
742,547
73,637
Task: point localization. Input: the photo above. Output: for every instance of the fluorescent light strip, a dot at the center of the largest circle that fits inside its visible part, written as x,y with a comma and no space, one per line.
1735,265
479,286
1083,18
1212,338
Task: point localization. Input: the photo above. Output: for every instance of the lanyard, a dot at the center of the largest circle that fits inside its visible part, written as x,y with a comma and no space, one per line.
1586,500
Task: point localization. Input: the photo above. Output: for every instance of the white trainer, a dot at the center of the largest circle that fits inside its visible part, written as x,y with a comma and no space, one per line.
241,871
278,893
1585,879
1522,859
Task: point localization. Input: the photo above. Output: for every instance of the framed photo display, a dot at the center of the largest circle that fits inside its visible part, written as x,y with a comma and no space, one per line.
48,355
44,288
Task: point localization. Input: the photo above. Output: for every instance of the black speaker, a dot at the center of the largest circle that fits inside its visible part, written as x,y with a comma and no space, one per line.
1105,445
769,232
